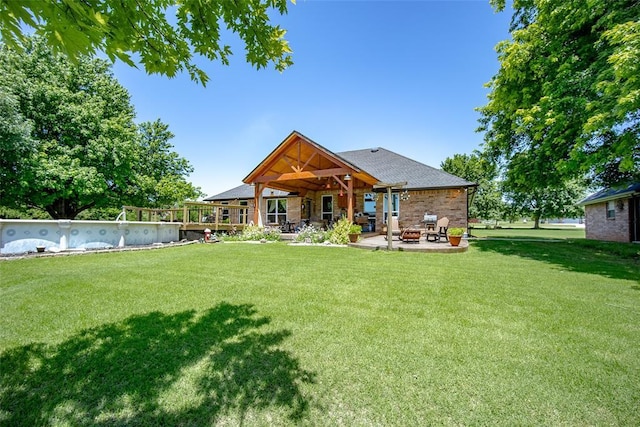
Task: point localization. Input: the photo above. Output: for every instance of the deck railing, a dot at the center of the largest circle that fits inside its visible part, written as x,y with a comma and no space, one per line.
193,215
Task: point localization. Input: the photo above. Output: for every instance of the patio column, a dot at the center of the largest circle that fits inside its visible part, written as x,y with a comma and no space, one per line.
389,188
257,199
350,199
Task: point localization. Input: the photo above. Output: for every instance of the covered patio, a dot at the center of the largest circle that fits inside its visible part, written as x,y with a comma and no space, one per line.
303,167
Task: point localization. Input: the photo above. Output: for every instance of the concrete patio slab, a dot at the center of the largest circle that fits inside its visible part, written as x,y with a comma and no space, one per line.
378,242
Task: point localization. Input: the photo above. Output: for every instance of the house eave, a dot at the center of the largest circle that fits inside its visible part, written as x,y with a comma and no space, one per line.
443,187
605,199
633,191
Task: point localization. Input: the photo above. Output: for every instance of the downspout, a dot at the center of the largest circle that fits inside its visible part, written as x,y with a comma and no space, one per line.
389,222
350,199
469,204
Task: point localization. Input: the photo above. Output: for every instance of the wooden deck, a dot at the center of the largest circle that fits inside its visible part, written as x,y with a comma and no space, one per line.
194,216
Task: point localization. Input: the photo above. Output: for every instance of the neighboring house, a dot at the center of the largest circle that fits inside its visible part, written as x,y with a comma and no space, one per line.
613,214
300,181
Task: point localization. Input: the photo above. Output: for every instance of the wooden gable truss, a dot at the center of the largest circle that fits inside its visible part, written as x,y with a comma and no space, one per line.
300,165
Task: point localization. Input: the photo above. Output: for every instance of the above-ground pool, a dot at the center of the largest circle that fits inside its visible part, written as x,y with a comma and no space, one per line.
21,236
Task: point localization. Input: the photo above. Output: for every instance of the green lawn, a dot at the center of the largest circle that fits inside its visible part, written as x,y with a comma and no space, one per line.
526,231
508,333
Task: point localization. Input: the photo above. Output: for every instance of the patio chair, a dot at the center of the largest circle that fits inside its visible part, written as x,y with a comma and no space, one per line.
395,228
439,232
442,226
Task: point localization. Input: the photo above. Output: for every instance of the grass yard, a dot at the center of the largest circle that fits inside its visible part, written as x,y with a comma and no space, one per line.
526,231
508,333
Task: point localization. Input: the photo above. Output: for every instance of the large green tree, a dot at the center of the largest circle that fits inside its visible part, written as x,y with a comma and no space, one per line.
486,200
16,144
73,123
165,36
567,95
160,171
538,203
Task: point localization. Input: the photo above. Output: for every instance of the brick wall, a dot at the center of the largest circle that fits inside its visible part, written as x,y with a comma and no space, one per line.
599,227
451,203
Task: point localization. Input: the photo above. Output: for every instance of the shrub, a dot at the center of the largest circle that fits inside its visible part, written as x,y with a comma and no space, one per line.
311,234
254,232
339,233
271,233
455,231
355,229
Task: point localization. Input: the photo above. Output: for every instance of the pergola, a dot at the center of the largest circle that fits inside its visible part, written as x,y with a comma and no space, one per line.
300,165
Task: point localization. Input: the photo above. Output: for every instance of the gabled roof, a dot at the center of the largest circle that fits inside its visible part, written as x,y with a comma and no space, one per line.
607,194
244,192
301,164
390,167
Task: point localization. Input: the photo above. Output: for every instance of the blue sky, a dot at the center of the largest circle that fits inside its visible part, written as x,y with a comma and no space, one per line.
403,75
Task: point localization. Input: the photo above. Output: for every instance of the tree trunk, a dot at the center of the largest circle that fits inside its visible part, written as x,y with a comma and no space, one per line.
66,209
536,222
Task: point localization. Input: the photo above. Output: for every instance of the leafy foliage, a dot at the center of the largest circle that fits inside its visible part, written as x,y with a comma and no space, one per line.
355,229
528,199
455,231
339,233
486,200
71,142
567,95
23,213
100,214
16,143
146,32
161,172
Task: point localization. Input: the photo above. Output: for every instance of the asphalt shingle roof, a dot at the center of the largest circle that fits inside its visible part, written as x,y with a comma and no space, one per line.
612,193
385,165
244,191
390,167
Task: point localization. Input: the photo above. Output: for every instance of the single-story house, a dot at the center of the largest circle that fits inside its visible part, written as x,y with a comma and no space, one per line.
613,214
301,181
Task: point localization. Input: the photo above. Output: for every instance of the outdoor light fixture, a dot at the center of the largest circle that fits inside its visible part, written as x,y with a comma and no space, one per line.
347,177
405,195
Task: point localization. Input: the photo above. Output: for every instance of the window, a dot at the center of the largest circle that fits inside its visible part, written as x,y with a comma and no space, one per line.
395,205
241,213
370,204
611,210
276,211
225,212
327,208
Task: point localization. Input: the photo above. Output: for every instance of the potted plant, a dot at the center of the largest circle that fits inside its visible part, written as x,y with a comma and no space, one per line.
455,235
354,232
